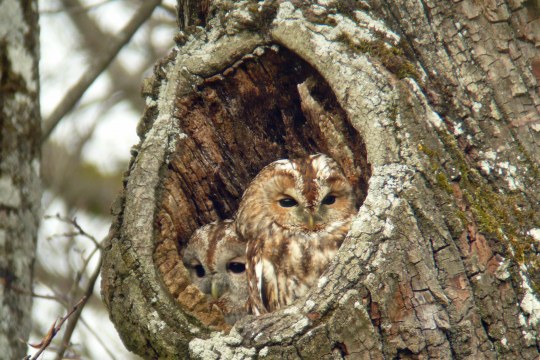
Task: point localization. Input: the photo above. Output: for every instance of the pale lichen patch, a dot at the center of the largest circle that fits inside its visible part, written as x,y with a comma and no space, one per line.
491,155
322,282
13,28
510,171
9,193
530,304
318,10
535,234
376,26
219,347
291,310
347,28
502,272
489,165
388,228
150,103
264,351
381,256
155,324
301,325
476,107
327,3
310,304
287,11
433,118
522,320
198,348
458,129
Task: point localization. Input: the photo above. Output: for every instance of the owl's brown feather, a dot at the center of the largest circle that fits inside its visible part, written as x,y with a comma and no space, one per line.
294,217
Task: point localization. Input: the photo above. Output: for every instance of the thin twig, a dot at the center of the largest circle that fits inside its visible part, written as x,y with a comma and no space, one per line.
55,328
73,222
96,336
17,289
73,321
85,265
49,297
56,298
74,94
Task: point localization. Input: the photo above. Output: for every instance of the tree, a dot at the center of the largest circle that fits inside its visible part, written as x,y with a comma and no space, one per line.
432,109
20,188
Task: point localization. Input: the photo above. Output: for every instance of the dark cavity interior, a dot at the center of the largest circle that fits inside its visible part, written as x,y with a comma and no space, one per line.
259,110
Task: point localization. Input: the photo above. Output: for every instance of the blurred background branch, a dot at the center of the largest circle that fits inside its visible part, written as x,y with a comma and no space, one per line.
101,61
94,55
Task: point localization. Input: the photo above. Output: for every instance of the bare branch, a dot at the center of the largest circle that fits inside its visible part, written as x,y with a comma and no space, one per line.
6,282
73,222
85,265
56,298
55,328
73,321
75,92
92,35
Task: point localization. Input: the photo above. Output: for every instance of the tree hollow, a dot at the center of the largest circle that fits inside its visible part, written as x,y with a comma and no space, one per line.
268,106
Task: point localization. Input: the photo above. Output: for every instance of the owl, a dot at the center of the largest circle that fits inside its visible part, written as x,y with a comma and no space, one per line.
216,261
294,216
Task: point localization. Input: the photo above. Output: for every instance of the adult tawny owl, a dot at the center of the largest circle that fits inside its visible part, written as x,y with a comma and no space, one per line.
216,261
294,217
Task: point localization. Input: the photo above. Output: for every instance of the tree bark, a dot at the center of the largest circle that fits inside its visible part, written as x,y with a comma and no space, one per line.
20,188
431,108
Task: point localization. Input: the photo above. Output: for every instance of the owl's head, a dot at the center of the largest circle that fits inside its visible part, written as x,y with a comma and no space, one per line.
216,261
307,195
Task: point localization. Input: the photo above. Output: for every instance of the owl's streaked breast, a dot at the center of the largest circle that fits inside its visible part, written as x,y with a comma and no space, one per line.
294,217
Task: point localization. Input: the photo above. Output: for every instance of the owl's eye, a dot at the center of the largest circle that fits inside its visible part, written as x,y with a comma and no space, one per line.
329,200
199,270
236,267
288,202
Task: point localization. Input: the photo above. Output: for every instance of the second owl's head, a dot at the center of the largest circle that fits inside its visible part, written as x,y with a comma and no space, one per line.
215,259
308,194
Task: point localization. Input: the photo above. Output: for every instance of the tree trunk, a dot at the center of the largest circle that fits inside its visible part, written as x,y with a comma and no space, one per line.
432,110
20,188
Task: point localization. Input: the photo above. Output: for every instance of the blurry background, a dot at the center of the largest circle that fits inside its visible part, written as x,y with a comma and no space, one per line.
87,152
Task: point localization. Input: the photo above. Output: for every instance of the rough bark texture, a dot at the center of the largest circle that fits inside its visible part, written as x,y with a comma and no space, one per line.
20,188
432,109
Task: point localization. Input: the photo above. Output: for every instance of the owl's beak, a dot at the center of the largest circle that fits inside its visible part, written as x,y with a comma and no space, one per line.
312,218
311,221
215,290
